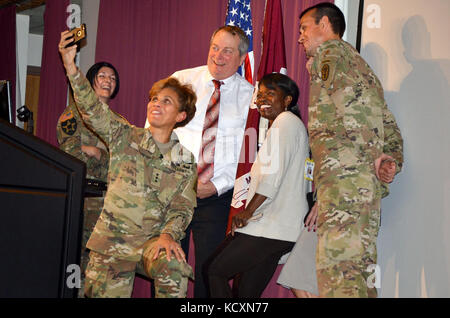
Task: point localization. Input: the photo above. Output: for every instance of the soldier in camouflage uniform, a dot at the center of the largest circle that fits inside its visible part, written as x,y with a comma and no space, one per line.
151,192
77,139
353,137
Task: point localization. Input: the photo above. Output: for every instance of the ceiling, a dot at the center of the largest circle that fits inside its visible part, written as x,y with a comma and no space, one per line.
33,8
22,4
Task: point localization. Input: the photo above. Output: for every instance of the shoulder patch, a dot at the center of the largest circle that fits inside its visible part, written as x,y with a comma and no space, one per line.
68,123
66,115
325,72
69,126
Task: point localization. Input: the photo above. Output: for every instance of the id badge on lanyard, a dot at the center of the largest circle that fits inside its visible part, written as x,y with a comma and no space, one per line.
309,169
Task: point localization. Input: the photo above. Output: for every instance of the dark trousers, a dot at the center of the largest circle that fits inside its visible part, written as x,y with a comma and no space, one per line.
255,259
209,224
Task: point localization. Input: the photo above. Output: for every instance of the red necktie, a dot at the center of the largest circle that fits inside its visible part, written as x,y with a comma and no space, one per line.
205,166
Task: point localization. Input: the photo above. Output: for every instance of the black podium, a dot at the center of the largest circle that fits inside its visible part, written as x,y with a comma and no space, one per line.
41,203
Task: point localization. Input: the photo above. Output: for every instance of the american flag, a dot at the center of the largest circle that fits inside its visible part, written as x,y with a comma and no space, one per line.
240,15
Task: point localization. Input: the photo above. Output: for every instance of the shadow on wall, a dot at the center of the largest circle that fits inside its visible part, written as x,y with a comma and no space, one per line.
414,244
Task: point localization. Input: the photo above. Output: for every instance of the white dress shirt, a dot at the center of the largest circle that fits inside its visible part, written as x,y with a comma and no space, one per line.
278,174
235,97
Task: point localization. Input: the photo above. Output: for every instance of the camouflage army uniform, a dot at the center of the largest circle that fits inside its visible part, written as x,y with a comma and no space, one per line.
148,194
349,127
72,133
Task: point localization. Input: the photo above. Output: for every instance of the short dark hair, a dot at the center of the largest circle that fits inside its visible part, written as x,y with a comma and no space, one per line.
186,97
283,82
333,13
92,73
244,42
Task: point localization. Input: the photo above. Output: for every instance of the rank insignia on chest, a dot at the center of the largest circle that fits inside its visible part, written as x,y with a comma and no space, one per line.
156,177
69,126
183,167
325,72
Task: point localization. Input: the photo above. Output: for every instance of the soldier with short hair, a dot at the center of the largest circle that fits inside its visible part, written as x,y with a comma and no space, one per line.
357,149
151,192
78,140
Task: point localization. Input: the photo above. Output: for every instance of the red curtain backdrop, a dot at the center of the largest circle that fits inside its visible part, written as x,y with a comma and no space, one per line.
149,40
8,51
53,86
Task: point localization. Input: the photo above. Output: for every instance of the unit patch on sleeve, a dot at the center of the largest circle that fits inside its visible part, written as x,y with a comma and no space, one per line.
325,72
68,123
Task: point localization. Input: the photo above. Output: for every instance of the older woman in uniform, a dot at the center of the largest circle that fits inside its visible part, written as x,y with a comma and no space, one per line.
151,192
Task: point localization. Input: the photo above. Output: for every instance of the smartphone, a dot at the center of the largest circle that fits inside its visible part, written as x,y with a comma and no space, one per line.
78,34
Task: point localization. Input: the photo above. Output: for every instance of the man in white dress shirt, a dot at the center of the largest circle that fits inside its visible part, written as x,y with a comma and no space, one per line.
227,52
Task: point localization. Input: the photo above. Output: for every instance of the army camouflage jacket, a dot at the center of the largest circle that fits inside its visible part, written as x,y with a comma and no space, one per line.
349,123
148,193
72,132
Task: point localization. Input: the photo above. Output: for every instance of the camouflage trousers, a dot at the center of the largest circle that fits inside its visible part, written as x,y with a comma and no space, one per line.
348,224
92,209
109,277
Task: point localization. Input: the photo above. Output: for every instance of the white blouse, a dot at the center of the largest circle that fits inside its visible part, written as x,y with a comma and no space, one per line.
278,174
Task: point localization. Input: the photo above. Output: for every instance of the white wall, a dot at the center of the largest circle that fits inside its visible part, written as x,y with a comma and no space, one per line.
35,43
406,43
350,8
22,27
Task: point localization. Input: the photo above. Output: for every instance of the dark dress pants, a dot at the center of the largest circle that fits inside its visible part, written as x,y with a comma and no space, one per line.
254,258
209,224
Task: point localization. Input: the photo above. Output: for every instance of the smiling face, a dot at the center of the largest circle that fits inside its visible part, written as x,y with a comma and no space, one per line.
223,57
105,83
311,34
271,102
163,109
